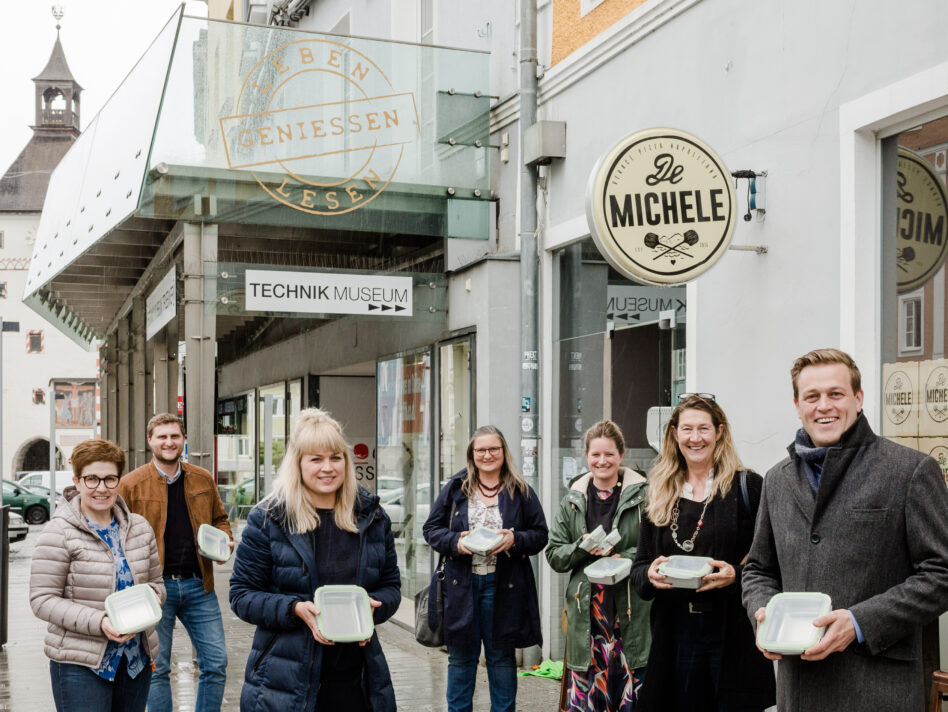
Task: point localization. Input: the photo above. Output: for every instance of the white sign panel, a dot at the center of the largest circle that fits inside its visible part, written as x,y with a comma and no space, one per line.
327,293
628,304
161,304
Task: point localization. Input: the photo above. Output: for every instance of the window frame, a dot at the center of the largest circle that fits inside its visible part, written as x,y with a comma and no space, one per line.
906,300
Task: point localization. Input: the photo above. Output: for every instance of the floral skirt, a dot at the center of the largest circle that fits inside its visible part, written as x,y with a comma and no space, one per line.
609,685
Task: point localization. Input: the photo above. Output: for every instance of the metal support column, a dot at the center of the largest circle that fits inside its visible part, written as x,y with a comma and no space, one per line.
139,397
159,359
200,323
104,385
529,269
110,423
124,386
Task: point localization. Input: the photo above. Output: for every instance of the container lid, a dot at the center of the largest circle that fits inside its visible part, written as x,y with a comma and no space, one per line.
345,614
788,627
482,539
133,609
213,543
603,568
679,566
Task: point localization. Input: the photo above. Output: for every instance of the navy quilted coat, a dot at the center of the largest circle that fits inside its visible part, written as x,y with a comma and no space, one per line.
273,570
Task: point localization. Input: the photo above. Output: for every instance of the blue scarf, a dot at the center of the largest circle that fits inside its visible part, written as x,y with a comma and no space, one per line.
812,457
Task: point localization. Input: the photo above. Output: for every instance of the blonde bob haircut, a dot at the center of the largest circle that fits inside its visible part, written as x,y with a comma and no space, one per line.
315,430
670,470
510,477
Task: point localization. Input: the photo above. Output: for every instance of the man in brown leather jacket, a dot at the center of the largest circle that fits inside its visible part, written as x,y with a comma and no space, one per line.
177,498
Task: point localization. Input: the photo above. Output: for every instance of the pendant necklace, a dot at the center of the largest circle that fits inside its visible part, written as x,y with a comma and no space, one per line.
488,492
688,544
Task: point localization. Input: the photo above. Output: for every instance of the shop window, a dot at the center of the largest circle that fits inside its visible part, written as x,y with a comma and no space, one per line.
910,323
34,342
1,239
3,290
39,396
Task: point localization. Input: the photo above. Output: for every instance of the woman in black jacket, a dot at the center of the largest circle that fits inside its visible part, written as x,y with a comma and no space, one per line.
701,503
489,599
317,528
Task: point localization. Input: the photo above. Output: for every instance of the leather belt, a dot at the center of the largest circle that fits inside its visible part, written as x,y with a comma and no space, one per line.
181,577
483,569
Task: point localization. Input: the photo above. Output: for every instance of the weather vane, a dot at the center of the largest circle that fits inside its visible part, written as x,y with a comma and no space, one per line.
57,14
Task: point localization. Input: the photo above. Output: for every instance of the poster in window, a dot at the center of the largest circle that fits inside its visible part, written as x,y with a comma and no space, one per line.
75,404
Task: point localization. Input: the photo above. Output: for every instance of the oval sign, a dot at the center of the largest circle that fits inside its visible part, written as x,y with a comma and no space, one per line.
660,206
922,243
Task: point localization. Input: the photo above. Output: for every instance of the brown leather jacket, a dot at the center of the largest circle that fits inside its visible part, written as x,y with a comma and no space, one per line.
145,491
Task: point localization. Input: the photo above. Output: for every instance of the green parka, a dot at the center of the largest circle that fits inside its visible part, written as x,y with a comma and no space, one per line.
564,555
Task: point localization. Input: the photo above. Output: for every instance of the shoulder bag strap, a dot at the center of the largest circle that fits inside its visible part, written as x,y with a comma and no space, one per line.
744,494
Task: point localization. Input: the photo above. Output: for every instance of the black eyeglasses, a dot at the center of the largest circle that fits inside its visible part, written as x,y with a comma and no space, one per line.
92,481
703,396
494,451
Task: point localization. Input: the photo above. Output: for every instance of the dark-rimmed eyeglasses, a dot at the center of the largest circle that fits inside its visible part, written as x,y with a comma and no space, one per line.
703,396
92,481
481,451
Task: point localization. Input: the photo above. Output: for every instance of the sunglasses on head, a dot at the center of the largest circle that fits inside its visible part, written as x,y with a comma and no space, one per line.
702,396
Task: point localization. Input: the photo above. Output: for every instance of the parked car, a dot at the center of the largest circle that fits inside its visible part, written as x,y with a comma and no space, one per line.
41,477
393,502
33,507
18,528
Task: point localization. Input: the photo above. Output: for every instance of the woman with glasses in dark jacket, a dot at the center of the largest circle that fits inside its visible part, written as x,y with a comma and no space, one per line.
701,502
489,599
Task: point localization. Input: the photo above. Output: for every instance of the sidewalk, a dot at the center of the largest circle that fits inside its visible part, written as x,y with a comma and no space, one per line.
418,673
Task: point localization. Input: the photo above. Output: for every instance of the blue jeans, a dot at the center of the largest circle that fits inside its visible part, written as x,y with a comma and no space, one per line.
463,659
201,615
77,689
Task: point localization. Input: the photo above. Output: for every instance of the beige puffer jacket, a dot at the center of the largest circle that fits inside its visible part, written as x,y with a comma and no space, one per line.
73,571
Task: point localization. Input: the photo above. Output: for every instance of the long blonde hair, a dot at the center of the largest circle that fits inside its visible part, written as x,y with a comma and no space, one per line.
315,430
670,471
510,476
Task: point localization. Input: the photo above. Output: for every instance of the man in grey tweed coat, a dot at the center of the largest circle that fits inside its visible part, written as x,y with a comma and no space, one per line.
863,520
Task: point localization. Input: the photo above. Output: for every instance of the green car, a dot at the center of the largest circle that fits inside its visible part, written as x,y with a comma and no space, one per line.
33,507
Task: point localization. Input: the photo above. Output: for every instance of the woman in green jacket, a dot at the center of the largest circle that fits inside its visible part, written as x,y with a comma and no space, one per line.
607,638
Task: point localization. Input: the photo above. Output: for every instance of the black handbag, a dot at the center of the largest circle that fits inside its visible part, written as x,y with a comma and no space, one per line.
431,595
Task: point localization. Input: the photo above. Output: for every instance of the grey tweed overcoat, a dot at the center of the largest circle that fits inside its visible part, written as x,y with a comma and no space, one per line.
875,539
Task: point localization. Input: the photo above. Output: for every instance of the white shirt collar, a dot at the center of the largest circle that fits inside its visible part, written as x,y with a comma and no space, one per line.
688,492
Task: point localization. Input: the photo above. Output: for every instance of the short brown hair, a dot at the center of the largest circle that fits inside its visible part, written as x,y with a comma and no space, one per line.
165,419
89,451
605,429
826,356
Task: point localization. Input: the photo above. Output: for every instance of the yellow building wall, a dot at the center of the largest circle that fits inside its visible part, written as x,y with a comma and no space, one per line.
570,31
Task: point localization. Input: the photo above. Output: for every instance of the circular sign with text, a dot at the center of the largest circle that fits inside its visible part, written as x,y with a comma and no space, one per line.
897,397
660,206
921,239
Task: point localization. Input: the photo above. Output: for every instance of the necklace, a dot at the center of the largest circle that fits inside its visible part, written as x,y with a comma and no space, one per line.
488,491
687,544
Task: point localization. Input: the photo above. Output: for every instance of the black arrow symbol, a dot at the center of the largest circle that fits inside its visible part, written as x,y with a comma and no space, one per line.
610,315
399,308
637,317
620,316
386,307
372,307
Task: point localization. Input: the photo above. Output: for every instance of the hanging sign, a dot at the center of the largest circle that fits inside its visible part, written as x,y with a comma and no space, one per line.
161,304
921,244
660,206
327,293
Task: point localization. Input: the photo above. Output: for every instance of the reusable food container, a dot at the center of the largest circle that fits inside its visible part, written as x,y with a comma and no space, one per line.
133,609
685,571
345,615
608,571
594,540
482,539
611,539
213,543
788,627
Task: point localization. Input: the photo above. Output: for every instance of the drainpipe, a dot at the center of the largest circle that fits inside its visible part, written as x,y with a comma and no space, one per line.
529,268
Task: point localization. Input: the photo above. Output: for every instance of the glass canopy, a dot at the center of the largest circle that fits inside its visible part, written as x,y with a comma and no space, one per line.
226,122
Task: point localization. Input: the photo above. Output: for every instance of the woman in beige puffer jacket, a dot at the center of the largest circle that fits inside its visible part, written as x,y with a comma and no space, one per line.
73,571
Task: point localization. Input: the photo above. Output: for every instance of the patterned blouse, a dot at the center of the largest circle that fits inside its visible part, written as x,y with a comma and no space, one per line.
132,649
482,515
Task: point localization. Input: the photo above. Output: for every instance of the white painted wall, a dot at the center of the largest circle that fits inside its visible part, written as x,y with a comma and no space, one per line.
61,358
762,83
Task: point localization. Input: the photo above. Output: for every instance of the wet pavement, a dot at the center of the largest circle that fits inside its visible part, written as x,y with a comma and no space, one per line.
418,673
